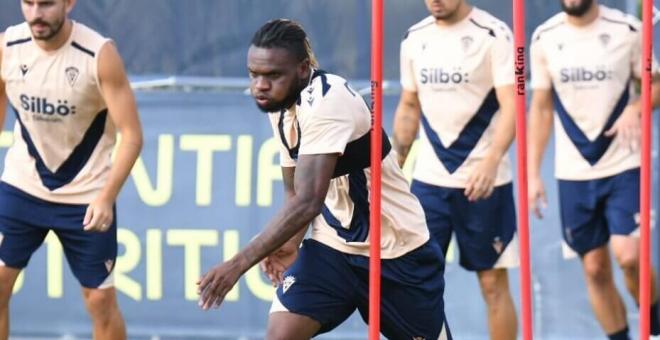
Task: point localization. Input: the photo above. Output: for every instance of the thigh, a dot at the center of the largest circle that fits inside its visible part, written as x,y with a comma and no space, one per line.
412,288
20,236
286,325
435,202
485,230
91,255
320,285
622,204
584,227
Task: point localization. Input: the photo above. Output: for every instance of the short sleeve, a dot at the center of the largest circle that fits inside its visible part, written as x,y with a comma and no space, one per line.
636,56
327,128
540,73
502,65
406,68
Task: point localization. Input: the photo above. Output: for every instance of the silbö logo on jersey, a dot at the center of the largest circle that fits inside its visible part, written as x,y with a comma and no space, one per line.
433,75
584,75
42,105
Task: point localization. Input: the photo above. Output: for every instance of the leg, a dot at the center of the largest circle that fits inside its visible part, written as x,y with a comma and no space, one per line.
434,201
91,257
291,326
621,211
412,305
486,236
317,294
102,307
603,295
19,238
7,279
583,207
626,252
502,322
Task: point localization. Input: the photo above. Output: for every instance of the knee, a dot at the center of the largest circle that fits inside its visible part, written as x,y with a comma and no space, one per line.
598,273
494,287
101,304
629,263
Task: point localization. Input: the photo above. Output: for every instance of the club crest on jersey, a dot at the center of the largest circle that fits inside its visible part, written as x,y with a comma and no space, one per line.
24,69
560,46
71,75
604,39
466,42
287,283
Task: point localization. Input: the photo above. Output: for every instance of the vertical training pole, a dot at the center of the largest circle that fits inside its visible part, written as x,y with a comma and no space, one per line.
521,148
645,181
376,157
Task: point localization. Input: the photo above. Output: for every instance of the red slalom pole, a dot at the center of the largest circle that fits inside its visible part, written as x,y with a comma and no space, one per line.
521,148
645,181
376,159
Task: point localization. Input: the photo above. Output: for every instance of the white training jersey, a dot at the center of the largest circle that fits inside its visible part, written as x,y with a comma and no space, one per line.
590,71
455,70
331,118
63,137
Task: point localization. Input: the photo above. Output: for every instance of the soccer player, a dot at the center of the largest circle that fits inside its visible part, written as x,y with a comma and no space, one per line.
67,87
585,62
457,83
324,130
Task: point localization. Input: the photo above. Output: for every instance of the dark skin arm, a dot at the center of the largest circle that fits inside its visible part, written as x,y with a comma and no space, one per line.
278,262
311,181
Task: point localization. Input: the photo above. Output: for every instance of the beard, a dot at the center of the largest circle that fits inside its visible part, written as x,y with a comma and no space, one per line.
292,96
53,29
579,10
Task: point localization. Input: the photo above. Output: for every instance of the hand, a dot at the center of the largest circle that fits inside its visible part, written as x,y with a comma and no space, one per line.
99,215
536,196
278,262
482,180
627,128
214,285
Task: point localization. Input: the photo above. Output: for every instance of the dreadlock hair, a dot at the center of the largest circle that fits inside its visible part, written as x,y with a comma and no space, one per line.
286,34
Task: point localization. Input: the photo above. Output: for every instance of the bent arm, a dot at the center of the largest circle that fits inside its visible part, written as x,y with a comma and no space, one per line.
310,186
119,98
288,174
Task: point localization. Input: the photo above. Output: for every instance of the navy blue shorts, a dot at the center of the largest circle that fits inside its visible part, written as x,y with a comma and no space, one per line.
25,221
593,210
328,286
484,229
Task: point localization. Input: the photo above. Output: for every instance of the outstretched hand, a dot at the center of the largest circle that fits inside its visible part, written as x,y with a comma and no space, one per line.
216,283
